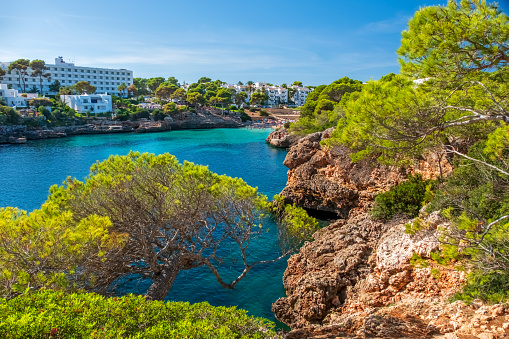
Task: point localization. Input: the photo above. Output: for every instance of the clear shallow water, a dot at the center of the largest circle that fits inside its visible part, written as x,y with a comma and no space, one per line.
27,171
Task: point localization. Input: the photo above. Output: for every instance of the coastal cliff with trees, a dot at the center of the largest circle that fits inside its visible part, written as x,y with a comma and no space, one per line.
416,168
411,169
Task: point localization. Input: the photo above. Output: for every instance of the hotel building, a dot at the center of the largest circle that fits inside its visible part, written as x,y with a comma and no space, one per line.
106,80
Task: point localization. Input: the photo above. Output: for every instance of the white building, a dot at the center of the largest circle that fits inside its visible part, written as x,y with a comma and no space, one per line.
300,95
13,98
277,95
106,80
93,103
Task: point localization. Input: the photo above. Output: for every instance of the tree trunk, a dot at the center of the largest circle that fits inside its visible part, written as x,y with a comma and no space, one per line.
163,282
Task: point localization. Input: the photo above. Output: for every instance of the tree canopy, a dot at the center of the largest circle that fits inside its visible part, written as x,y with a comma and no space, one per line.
83,87
173,217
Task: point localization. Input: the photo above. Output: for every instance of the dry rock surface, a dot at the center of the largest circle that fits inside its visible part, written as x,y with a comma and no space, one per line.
356,279
324,179
281,138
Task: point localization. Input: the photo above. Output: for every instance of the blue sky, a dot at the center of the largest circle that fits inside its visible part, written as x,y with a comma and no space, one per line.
314,42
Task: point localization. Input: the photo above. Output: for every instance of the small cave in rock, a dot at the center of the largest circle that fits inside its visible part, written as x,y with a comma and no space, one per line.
323,215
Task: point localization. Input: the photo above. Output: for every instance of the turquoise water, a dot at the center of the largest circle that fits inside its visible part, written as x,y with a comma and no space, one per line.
27,171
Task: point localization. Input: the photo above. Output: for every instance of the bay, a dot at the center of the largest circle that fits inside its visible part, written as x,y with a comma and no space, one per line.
27,171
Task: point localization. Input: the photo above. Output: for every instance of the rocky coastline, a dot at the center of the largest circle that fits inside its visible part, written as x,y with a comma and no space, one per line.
19,134
355,280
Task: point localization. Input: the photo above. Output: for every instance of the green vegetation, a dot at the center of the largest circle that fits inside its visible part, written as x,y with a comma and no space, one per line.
244,117
49,314
324,106
407,199
142,216
451,100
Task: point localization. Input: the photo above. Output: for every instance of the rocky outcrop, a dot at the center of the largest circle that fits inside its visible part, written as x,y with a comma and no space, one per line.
324,179
281,138
356,280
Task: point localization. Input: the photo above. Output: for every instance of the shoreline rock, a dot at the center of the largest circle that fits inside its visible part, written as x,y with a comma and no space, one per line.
325,180
356,280
16,134
281,138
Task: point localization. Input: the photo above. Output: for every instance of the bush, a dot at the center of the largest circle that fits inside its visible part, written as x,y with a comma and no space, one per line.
244,117
50,314
264,113
252,109
405,198
492,287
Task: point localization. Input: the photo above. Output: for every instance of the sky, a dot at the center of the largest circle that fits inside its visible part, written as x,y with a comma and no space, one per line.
315,42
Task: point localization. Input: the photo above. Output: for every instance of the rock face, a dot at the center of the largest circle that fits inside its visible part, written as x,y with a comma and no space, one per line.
356,279
281,138
325,179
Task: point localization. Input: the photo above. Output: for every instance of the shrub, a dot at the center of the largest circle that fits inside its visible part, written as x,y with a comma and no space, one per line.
51,314
244,117
264,113
405,198
492,287
252,109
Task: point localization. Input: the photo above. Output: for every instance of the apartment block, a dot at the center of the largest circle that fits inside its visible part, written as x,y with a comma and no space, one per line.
106,80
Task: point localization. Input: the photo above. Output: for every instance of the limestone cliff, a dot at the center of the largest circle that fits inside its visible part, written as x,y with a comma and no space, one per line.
324,179
355,280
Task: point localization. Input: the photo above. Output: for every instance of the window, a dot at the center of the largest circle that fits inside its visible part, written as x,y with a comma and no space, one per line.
82,76
86,107
62,69
100,72
88,76
88,71
93,71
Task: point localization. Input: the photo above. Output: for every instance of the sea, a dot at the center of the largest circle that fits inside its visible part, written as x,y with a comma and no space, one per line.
27,172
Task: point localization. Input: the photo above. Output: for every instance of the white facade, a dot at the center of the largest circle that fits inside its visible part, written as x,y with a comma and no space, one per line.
277,95
106,80
93,103
13,98
300,95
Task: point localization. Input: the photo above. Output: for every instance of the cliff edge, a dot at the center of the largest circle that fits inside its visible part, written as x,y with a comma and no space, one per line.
356,280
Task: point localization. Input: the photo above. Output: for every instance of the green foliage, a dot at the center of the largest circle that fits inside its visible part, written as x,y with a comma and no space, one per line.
194,212
492,287
264,113
50,314
258,98
417,261
46,246
324,106
455,41
405,198
244,117
11,116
